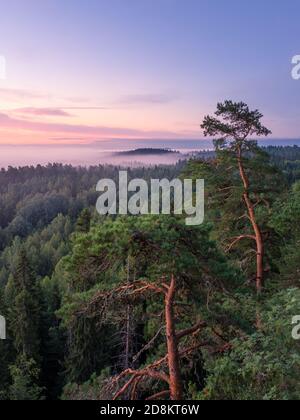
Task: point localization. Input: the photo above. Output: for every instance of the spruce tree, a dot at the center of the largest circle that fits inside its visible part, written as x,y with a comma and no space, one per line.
25,311
84,221
24,324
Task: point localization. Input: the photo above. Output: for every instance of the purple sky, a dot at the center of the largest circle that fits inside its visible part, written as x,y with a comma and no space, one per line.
91,70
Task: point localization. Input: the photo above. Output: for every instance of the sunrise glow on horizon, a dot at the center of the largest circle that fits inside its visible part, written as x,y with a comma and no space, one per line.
80,72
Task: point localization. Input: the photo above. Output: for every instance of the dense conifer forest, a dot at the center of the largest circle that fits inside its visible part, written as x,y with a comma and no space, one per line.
146,307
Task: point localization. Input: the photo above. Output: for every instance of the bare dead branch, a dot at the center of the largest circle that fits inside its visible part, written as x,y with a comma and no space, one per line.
140,374
124,388
192,330
148,345
128,290
238,239
158,396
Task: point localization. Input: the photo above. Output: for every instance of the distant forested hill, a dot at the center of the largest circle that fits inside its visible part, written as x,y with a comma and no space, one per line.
145,151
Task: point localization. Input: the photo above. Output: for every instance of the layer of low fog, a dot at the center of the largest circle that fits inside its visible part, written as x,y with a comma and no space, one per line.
83,156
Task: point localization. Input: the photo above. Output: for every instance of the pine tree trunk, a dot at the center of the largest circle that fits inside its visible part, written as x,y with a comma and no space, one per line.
127,337
172,344
128,326
258,235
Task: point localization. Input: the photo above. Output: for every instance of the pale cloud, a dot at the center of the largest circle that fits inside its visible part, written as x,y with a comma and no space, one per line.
16,94
51,112
86,108
54,111
12,123
26,94
139,99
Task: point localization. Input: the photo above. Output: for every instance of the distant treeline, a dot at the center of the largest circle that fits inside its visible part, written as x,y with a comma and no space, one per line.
286,158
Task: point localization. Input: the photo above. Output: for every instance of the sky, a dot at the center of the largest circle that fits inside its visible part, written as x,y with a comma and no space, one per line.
88,71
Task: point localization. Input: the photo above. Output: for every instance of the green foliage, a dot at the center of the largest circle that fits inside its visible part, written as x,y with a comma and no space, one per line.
226,209
24,309
84,221
128,249
286,212
264,365
287,159
25,375
89,390
234,122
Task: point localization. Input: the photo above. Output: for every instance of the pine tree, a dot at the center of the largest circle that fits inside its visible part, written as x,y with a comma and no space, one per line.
167,259
242,179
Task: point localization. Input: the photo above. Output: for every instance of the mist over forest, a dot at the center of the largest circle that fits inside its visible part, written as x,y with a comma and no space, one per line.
110,152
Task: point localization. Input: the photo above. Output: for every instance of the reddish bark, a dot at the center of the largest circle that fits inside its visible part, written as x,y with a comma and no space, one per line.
257,232
172,358
172,344
158,396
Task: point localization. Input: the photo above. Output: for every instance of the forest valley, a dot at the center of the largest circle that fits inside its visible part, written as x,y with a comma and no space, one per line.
145,307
